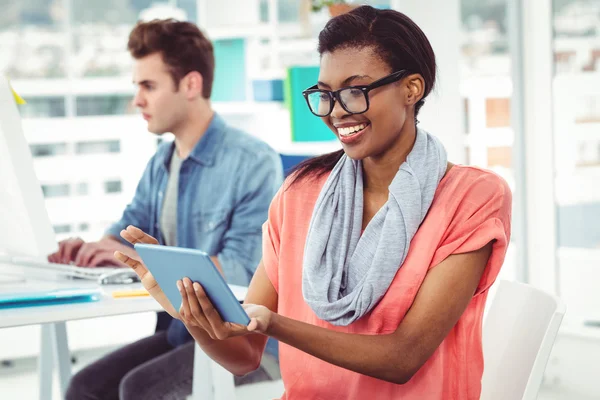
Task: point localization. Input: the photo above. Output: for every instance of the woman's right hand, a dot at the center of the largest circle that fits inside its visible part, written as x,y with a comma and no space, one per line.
135,235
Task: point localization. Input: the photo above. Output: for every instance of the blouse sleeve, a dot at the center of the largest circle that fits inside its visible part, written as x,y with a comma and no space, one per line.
271,239
483,215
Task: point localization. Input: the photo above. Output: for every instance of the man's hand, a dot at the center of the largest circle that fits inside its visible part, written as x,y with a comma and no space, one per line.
67,251
92,254
101,253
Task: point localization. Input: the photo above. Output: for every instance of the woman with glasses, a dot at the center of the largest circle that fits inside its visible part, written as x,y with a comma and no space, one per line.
377,259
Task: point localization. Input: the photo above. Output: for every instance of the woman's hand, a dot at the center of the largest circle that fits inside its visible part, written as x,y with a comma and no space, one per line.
134,235
197,310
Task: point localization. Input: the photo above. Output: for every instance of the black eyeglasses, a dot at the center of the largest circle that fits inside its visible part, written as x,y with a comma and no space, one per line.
354,99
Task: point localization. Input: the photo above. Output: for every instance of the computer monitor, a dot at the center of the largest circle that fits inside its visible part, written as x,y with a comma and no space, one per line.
25,228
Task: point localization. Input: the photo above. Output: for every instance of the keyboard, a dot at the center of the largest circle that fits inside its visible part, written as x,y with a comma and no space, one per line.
102,275
66,269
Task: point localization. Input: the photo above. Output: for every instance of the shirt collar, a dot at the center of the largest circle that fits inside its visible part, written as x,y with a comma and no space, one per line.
205,150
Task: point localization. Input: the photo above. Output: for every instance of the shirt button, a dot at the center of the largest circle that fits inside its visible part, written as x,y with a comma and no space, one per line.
160,194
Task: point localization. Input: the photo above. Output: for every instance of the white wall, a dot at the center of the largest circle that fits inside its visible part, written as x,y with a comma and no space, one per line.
442,114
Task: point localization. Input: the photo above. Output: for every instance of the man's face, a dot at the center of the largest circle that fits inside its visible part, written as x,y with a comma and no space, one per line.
162,104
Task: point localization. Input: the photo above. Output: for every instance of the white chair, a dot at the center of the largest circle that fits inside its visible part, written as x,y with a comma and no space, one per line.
519,330
213,382
518,334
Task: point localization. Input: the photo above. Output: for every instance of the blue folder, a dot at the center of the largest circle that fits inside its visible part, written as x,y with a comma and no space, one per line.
33,298
304,125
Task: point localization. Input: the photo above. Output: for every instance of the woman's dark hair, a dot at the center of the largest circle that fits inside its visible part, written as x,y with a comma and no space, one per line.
395,38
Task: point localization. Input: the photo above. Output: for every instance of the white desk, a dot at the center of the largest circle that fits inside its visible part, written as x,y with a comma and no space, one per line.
54,341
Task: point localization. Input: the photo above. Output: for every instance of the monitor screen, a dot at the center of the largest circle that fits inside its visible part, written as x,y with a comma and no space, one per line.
25,228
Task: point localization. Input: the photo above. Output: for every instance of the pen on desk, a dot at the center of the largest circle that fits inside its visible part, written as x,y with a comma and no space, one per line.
130,293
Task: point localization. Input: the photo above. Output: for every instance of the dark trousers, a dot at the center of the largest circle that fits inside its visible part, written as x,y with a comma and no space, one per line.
149,369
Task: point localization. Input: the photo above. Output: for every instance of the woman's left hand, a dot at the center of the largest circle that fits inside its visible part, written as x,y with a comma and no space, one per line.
197,310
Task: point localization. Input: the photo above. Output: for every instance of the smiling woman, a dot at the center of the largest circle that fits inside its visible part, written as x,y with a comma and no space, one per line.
377,259
372,77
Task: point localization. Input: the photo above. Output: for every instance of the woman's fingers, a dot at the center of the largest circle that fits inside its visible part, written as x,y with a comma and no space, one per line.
185,305
135,235
139,268
208,309
194,315
195,309
253,325
221,329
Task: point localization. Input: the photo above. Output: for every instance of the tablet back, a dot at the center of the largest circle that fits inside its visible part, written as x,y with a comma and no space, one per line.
169,264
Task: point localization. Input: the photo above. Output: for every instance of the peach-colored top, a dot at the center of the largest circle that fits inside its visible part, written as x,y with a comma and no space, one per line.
471,207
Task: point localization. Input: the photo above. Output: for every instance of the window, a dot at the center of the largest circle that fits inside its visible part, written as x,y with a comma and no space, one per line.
291,10
466,115
486,85
82,189
497,112
98,147
56,190
190,9
84,227
48,150
43,107
576,137
101,29
104,105
32,39
588,109
113,187
288,10
58,229
485,45
499,156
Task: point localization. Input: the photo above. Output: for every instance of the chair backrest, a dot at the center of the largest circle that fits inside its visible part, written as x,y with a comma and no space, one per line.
289,161
518,334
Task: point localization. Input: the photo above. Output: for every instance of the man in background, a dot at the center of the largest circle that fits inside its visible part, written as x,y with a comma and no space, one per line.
210,189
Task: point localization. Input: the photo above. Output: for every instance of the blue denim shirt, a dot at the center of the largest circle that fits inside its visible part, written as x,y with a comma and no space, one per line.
225,188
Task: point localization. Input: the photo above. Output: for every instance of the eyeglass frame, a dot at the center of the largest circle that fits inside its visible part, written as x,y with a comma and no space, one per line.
365,89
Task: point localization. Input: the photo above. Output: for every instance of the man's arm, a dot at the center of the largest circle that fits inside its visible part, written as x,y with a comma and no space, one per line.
241,251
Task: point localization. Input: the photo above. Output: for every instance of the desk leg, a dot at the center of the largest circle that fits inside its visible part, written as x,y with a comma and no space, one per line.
46,362
63,356
211,381
222,382
54,347
203,383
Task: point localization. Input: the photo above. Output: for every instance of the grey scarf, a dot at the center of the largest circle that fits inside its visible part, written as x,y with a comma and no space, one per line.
345,274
